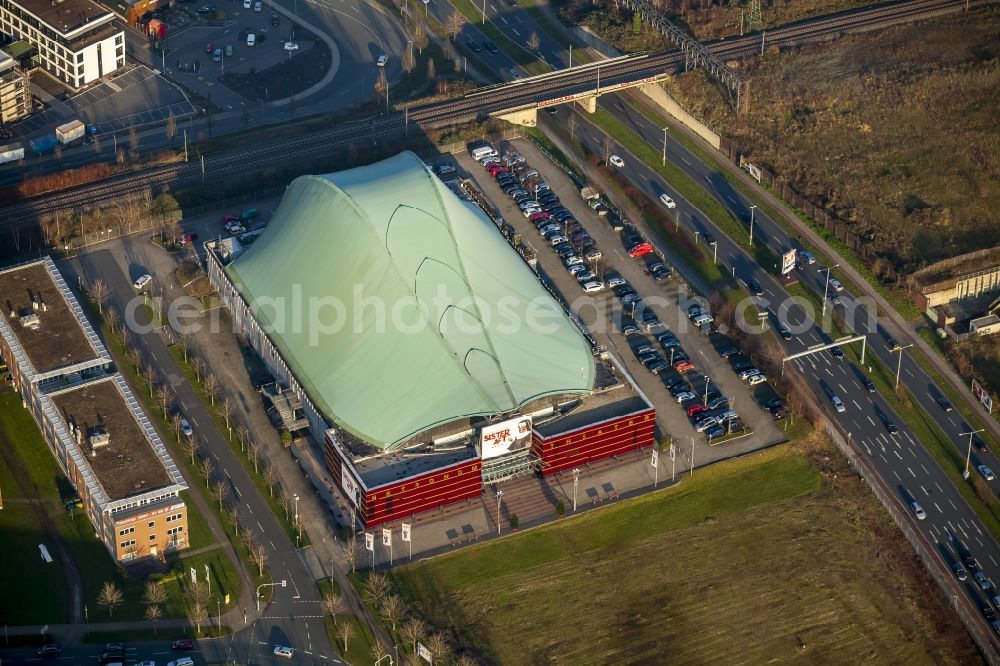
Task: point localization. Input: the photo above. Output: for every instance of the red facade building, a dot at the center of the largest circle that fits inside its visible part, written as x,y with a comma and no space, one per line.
615,436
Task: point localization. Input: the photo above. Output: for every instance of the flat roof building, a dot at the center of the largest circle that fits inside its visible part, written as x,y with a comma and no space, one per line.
15,95
103,441
78,41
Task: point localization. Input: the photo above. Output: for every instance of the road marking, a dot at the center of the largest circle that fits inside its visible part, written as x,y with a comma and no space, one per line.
901,457
856,405
926,471
992,560
978,530
909,438
504,19
514,30
248,508
925,490
938,508
260,526
272,544
194,423
708,178
952,504
732,199
683,159
872,421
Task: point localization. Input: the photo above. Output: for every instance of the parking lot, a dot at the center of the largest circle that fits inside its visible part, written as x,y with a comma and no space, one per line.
603,314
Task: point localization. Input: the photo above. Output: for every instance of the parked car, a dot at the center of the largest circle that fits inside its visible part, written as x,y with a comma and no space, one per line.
183,661
836,285
658,271
640,249
188,238
143,281
696,409
685,396
186,429
182,644
984,582
616,161
753,380
283,651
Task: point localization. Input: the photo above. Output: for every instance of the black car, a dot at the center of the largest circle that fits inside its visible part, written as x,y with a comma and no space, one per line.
886,421
49,650
969,561
726,352
959,571
753,286
978,442
673,381
943,402
718,402
837,352
868,384
659,271
988,612
275,20
709,238
491,47
774,403
474,45
784,332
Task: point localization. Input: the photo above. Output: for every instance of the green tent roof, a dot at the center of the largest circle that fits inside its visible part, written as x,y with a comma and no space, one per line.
423,312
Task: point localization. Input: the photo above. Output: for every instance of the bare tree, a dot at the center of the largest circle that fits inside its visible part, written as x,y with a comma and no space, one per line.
392,610
164,398
534,42
175,425
110,597
454,24
197,592
345,632
379,650
220,490
212,387
96,145
258,555
285,500
243,434
271,477
233,515
571,123
249,537
334,605
184,344
253,453
154,594
228,408
191,447
351,552
198,614
438,645
413,630
153,613
607,149
466,660
149,374
420,39
381,87
376,587
133,142
171,128
57,151
206,466
409,61
99,292
431,69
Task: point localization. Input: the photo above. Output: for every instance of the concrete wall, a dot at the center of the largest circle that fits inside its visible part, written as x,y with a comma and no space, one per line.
654,91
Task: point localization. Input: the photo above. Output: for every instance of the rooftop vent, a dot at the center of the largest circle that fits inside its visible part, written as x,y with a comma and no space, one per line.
99,437
31,321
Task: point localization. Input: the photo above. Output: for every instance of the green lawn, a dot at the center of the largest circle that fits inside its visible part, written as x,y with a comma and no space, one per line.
359,648
198,533
751,561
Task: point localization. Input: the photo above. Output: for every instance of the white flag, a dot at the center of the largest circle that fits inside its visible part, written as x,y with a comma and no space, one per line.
194,575
655,458
386,537
370,541
672,454
406,531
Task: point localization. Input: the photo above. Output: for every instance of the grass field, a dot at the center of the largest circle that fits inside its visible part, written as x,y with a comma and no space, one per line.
751,561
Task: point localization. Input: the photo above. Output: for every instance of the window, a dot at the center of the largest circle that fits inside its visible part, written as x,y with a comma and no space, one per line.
127,544
175,530
151,524
152,537
126,531
176,516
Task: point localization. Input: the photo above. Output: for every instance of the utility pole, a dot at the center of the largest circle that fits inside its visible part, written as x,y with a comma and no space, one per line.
185,146
751,224
715,252
202,169
499,494
762,33
664,146
576,483
708,382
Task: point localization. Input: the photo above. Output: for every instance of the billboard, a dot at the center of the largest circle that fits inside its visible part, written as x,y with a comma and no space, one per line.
504,437
788,261
982,395
350,487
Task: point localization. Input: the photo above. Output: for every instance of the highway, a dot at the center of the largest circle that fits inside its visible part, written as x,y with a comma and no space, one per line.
899,458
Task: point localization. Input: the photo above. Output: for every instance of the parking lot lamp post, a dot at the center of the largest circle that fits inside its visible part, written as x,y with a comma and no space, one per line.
664,146
899,363
499,494
672,350
298,525
576,484
751,225
826,286
708,382
715,252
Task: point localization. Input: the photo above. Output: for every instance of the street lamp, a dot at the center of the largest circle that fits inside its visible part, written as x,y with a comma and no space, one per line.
715,251
751,224
826,286
576,483
499,494
298,526
664,146
899,366
283,583
968,454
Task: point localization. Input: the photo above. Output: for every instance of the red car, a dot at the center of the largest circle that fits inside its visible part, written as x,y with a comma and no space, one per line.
208,47
683,366
182,644
535,217
188,238
640,250
696,409
230,218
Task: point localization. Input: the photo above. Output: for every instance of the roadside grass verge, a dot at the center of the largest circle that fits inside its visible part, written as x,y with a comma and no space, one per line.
151,634
729,555
361,645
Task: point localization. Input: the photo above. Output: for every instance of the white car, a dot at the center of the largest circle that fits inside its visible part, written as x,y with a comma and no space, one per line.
282,651
142,282
382,60
918,511
291,46
617,282
835,285
186,427
247,4
667,201
616,161
986,472
591,287
753,380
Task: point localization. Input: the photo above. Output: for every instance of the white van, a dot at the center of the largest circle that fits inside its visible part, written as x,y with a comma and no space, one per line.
251,39
257,6
484,151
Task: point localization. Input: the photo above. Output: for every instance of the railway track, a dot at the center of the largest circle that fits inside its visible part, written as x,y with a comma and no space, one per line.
527,92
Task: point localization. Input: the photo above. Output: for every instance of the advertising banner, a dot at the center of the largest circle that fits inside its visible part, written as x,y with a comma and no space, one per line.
502,438
406,531
655,459
788,261
370,541
386,537
424,653
350,487
982,395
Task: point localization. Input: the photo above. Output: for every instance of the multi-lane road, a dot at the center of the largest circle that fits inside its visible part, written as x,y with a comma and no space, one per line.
899,458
